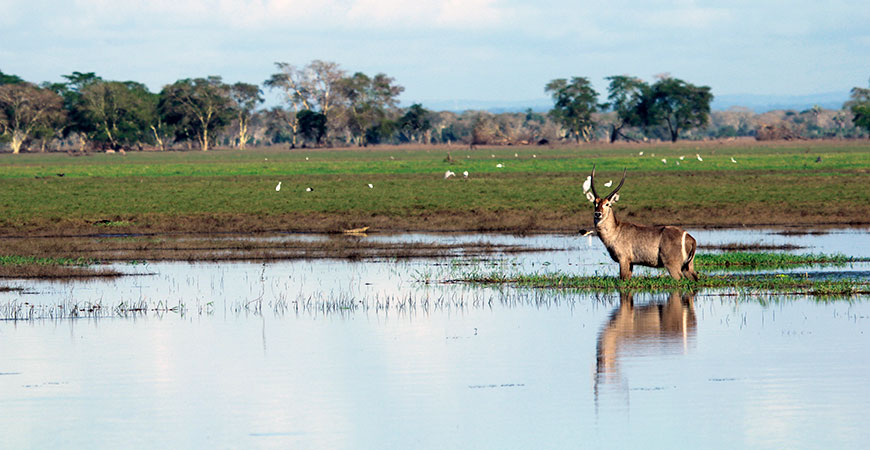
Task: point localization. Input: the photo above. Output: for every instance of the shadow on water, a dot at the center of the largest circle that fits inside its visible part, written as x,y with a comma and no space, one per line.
658,327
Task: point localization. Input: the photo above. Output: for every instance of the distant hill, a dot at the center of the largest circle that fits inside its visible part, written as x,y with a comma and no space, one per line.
493,106
764,103
757,103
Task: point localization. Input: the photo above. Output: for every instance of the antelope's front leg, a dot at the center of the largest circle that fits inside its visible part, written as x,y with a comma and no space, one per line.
624,270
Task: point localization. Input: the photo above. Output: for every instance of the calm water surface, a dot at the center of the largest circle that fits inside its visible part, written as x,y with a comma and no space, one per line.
334,354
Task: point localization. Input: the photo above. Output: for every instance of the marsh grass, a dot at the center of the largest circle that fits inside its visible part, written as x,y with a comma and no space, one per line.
19,266
17,310
769,260
749,246
781,284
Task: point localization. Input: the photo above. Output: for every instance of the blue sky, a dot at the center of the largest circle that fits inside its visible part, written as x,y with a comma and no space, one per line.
442,50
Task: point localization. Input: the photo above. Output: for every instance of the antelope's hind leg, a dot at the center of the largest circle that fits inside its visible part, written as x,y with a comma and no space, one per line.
674,271
625,270
689,270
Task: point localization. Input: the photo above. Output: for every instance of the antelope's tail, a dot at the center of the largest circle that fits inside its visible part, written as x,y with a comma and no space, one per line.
689,245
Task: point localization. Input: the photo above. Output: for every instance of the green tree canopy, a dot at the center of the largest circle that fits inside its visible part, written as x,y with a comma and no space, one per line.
369,102
676,105
118,113
198,108
574,104
859,105
9,78
624,95
415,123
312,125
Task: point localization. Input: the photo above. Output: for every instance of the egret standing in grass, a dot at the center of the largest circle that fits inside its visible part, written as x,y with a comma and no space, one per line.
449,174
699,157
465,174
733,160
278,187
608,184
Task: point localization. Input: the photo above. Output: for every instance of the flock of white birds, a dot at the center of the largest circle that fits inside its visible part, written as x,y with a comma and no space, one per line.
586,184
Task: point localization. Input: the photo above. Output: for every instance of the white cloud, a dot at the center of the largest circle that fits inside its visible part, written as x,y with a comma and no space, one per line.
303,14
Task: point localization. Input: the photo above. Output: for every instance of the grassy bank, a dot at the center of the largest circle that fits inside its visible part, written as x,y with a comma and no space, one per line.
536,190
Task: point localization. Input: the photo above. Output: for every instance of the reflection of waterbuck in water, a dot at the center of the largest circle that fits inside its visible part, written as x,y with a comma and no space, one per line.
630,244
646,329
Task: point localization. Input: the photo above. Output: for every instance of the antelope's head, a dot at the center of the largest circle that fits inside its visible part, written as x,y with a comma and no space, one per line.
603,206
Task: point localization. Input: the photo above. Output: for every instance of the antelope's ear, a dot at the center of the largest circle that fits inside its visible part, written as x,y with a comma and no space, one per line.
590,197
615,198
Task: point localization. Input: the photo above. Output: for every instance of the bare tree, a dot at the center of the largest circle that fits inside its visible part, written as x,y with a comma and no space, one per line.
24,108
314,87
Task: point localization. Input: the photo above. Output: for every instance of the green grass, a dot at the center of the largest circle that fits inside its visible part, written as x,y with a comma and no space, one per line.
17,260
171,190
768,283
769,260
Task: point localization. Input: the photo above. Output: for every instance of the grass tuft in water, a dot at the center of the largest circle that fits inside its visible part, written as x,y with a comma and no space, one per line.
18,266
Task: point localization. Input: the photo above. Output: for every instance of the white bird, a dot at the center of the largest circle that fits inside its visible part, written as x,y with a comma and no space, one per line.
492,156
370,186
534,156
309,189
681,157
699,157
465,174
499,165
608,184
449,174
516,155
678,163
306,158
733,160
587,185
664,161
278,187
639,153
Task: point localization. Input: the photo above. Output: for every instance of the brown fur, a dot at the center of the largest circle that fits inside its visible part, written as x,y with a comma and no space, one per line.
631,244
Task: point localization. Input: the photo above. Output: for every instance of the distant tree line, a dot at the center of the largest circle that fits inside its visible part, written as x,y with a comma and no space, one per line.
323,105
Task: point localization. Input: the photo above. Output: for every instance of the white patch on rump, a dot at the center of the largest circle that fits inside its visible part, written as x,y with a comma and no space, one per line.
683,246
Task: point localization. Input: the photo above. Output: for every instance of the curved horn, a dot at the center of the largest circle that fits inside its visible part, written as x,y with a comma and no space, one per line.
592,184
617,187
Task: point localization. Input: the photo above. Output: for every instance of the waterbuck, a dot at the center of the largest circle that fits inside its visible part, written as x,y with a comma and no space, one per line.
630,244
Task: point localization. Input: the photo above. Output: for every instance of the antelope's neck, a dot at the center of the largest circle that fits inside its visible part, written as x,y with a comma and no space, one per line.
608,228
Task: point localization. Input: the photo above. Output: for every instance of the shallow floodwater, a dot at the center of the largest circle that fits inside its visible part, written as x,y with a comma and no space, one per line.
337,354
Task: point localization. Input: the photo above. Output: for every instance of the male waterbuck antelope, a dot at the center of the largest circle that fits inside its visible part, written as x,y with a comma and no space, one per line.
630,244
